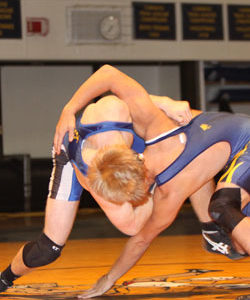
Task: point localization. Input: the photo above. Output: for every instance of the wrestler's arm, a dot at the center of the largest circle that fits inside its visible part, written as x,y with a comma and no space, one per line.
164,212
125,217
106,79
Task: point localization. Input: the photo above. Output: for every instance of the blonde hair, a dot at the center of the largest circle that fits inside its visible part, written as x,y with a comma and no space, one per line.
117,174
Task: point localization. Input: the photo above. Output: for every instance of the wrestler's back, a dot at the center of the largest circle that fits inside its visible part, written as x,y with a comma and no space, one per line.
107,109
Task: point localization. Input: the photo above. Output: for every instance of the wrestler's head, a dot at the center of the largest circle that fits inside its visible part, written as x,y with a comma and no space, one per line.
118,174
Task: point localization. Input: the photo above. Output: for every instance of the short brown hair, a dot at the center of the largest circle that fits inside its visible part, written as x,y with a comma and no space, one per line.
117,174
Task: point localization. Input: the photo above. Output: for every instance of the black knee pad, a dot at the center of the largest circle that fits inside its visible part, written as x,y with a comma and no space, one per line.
225,208
41,252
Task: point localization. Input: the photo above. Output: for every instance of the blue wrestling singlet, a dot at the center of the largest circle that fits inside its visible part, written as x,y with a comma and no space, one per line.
206,130
64,184
83,131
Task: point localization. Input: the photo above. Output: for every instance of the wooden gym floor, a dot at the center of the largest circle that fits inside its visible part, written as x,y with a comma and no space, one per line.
175,266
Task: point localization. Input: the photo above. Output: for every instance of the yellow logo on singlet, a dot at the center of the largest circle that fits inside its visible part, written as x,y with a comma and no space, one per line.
205,127
76,135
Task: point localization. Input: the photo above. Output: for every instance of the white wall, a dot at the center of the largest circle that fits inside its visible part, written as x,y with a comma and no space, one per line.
159,80
32,100
169,81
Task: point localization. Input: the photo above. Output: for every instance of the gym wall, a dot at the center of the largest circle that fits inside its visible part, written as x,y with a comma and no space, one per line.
81,30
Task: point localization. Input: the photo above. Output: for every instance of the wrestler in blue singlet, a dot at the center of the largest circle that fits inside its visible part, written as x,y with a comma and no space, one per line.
64,183
206,130
83,131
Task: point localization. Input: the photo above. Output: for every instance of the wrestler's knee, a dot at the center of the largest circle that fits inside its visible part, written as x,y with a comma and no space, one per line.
41,252
225,208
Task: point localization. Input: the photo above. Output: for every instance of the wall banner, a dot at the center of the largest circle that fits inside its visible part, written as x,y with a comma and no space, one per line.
10,19
202,21
239,22
154,21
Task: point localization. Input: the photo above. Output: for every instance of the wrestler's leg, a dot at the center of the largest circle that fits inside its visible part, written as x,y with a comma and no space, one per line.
200,201
214,238
60,213
225,208
232,195
242,231
241,235
59,218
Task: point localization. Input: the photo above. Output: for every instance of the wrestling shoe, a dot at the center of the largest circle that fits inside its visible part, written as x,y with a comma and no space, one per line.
216,240
4,284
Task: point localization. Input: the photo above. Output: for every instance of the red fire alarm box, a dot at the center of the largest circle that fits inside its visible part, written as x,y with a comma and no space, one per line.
37,26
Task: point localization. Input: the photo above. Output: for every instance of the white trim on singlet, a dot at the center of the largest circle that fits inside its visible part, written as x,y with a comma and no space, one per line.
162,135
52,176
65,186
66,179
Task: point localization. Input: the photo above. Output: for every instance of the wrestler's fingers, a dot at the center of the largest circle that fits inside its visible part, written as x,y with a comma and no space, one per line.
61,130
58,143
183,120
71,134
89,294
180,120
182,123
189,114
188,117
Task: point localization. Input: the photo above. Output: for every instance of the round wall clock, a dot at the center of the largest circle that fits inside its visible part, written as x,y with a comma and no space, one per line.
110,27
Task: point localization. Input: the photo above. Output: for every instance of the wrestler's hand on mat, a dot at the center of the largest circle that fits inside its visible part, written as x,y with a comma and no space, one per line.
65,124
101,286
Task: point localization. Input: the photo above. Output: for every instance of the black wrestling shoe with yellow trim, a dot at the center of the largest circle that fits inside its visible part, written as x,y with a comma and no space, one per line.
216,240
4,284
